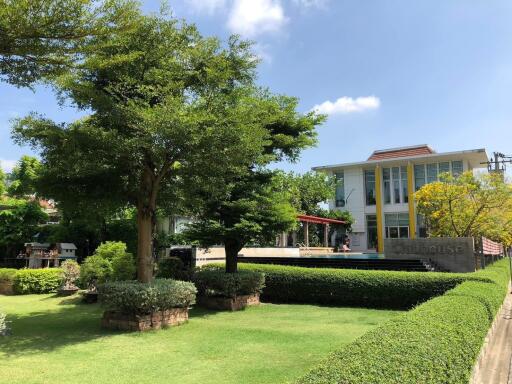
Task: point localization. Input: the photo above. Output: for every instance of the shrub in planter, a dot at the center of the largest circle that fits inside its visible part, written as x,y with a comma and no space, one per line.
71,273
173,268
7,280
220,290
29,281
140,306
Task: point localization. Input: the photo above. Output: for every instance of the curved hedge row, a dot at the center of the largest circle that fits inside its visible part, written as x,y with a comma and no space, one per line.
349,287
438,342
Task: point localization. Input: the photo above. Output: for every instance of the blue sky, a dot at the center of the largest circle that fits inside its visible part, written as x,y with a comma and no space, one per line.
389,73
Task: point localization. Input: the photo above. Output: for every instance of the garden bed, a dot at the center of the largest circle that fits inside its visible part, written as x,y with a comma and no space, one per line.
228,303
156,320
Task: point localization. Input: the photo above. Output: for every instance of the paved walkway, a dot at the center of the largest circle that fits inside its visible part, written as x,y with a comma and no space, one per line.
496,365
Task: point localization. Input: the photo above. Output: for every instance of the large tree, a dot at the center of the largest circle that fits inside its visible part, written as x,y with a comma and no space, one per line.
166,102
40,39
252,205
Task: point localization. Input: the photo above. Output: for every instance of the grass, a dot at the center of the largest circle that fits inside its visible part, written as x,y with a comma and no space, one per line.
58,340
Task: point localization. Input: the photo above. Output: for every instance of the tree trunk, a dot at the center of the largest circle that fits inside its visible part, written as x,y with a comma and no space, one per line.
232,249
144,245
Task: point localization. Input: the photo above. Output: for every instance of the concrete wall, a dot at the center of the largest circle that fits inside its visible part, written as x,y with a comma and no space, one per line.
451,254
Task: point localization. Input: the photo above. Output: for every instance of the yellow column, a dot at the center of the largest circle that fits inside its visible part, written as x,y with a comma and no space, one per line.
378,207
410,190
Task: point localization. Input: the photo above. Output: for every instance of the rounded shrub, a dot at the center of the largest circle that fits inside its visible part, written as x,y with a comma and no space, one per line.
38,280
123,267
216,282
132,297
95,270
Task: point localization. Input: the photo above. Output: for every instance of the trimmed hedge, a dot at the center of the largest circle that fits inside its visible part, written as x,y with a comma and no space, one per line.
132,297
349,287
212,281
438,342
46,280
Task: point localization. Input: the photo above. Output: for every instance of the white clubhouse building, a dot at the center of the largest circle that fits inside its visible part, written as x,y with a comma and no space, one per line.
377,191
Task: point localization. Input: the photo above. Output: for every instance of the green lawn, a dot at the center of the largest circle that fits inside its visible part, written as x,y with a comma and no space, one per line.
56,340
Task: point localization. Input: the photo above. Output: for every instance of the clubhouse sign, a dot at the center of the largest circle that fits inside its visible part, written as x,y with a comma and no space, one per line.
452,254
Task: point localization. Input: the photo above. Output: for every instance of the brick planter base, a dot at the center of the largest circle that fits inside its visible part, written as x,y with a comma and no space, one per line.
226,303
6,288
157,320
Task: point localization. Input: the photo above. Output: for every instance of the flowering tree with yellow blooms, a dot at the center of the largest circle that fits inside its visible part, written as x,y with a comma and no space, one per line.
467,206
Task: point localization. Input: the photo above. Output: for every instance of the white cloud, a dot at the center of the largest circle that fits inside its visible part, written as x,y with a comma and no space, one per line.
253,17
208,6
311,3
7,165
348,105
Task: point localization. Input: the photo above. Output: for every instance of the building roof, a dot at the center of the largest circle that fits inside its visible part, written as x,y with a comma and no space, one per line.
319,220
67,246
411,151
474,156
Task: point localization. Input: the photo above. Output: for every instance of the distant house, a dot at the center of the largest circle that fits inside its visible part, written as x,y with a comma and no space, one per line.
40,255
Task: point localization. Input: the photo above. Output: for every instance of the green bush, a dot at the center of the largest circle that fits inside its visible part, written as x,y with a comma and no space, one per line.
349,287
7,274
438,342
173,268
45,280
216,282
95,270
110,262
123,267
110,250
132,297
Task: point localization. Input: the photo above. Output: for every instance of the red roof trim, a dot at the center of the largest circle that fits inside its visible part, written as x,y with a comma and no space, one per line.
319,220
401,152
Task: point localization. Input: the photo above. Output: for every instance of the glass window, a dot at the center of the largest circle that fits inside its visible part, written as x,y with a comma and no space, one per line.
431,172
340,188
419,176
457,168
444,167
396,184
396,225
405,192
386,176
369,186
371,231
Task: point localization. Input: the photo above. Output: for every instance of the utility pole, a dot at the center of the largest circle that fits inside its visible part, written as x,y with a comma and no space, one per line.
498,163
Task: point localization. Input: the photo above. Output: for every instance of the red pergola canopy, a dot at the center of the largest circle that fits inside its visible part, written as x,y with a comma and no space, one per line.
319,220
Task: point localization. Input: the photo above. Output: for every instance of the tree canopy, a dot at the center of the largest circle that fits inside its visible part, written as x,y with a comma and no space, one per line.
24,176
40,39
467,206
167,105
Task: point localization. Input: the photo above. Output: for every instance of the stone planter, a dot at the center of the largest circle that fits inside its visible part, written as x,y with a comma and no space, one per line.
90,297
68,291
229,303
129,322
6,287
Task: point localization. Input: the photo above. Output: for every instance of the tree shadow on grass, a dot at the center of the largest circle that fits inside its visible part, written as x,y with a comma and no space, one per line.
74,323
38,332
